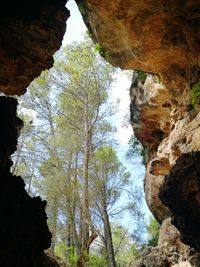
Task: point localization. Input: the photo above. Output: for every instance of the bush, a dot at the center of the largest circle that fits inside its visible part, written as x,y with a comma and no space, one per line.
195,92
141,75
153,230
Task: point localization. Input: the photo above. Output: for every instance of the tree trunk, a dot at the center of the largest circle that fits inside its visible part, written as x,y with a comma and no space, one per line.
82,261
85,204
108,238
54,228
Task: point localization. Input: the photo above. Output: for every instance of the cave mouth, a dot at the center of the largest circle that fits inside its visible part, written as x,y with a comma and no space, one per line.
51,149
30,33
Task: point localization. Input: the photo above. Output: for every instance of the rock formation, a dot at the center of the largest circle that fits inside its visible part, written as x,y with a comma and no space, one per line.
30,32
158,37
169,252
23,228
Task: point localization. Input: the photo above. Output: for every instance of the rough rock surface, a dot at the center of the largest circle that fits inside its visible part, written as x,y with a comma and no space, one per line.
155,36
30,32
153,257
169,237
160,37
150,112
24,232
152,186
173,165
183,264
150,117
170,252
181,193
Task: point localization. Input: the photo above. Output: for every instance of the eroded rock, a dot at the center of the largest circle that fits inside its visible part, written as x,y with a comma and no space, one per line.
152,186
183,264
156,37
24,233
150,110
30,33
181,193
170,251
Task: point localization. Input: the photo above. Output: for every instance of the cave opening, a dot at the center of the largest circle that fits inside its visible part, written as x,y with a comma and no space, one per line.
149,37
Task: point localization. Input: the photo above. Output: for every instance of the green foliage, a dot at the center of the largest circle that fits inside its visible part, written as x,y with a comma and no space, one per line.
96,260
141,75
124,245
82,7
195,92
153,231
70,257
136,148
101,51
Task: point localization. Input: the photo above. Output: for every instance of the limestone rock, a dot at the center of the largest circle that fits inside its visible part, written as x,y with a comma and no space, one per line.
30,32
170,251
152,186
183,264
157,37
181,193
162,38
153,257
169,238
150,109
24,233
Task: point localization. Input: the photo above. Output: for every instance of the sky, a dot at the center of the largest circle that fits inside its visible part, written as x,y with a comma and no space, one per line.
120,90
75,32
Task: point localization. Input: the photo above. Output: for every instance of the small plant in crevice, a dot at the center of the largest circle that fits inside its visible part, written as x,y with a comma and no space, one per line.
101,51
195,94
141,75
153,230
82,8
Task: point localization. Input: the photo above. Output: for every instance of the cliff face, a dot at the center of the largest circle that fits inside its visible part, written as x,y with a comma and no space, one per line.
160,38
30,32
156,36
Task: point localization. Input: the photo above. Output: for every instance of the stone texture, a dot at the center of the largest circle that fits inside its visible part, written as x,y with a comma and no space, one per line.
152,186
24,233
160,37
183,264
169,252
169,240
150,108
150,112
157,37
30,32
183,138
153,257
181,193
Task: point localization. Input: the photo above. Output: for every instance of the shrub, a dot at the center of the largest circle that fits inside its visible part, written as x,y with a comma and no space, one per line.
141,75
195,93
